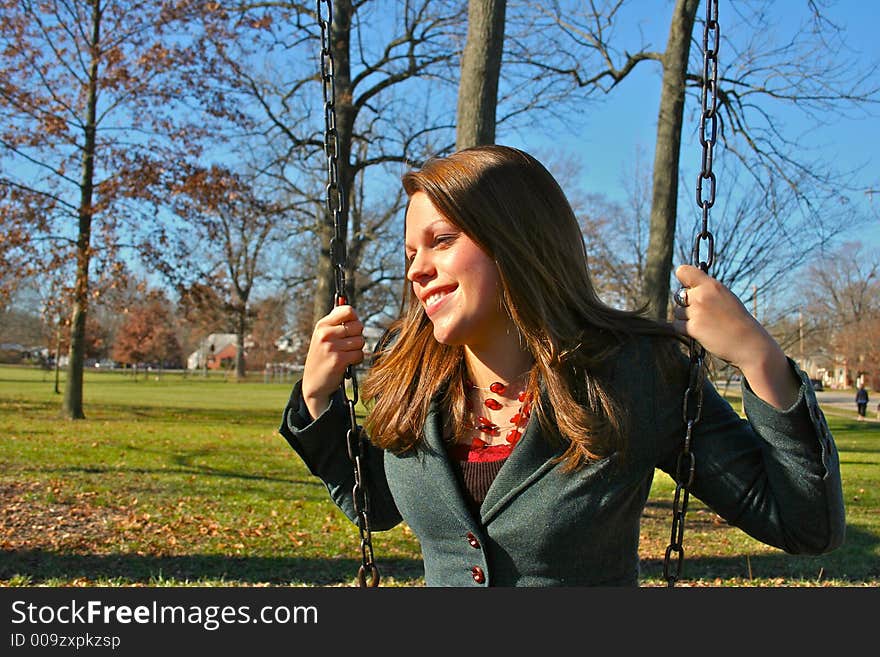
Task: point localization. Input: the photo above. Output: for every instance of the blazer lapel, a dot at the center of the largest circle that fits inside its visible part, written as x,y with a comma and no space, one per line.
529,460
438,470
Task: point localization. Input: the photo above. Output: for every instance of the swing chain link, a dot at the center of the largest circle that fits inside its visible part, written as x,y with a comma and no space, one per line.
708,132
692,405
368,573
335,197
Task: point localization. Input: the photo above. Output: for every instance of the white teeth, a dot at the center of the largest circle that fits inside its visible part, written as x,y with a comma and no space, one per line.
434,298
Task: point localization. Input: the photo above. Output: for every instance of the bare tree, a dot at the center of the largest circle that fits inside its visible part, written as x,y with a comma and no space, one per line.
396,72
762,240
803,64
664,203
616,236
393,78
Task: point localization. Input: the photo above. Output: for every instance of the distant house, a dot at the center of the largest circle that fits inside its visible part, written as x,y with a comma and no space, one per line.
836,373
213,350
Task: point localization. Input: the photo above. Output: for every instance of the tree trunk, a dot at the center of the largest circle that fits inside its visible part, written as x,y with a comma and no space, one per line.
480,70
325,281
73,389
240,371
664,205
340,40
57,355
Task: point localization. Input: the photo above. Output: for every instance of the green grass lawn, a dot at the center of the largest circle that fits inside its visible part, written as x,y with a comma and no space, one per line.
177,481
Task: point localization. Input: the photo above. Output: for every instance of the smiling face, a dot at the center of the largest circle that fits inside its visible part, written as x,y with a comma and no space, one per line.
453,278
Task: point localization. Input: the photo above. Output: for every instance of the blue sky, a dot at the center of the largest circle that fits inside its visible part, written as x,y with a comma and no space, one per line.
612,130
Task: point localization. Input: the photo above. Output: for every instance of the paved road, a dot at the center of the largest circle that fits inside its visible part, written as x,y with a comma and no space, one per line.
837,397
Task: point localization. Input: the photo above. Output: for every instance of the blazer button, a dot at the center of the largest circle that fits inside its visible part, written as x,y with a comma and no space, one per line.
473,540
478,575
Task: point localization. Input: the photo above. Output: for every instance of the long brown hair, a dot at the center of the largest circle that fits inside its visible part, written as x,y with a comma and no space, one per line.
513,209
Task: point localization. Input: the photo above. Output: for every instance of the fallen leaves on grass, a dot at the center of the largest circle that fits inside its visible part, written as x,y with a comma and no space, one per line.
36,516
46,517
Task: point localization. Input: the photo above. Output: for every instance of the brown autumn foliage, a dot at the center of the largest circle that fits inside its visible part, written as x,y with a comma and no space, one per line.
149,335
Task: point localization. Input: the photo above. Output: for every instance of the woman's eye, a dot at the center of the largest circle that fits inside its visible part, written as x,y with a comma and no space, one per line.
445,238
439,241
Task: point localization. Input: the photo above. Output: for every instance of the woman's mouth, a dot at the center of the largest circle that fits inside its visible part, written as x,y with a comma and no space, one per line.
436,300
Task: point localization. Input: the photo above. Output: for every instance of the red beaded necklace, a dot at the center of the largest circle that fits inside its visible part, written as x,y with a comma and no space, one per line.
487,427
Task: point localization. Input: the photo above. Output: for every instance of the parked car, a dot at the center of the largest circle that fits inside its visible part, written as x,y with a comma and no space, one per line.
817,385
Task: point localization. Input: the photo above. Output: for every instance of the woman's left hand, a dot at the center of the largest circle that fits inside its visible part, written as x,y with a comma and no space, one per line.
718,320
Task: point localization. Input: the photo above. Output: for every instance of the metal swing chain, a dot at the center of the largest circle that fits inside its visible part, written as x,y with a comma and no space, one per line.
693,396
355,440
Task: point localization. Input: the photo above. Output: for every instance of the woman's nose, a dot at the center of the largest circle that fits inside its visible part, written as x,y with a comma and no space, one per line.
420,267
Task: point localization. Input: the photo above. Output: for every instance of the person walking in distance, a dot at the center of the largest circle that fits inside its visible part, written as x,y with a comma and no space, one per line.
862,401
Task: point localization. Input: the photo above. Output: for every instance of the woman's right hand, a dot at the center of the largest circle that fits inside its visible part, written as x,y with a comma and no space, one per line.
337,342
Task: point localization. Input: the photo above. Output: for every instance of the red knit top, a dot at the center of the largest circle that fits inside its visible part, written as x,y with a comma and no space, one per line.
476,466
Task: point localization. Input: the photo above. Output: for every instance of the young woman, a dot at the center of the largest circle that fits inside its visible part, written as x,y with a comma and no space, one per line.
516,420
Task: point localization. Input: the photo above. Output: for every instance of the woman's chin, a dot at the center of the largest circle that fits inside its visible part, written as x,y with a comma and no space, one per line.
441,337
444,335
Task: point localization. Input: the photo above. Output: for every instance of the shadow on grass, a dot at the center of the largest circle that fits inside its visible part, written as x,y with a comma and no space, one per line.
855,561
40,566
764,567
200,471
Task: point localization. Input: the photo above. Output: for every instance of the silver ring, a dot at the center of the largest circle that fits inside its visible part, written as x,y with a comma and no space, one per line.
681,297
345,328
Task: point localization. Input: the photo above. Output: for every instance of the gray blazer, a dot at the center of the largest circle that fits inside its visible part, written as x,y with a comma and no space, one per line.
775,475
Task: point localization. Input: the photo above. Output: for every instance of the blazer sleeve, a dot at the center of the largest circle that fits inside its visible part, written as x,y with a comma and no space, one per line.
775,474
322,445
